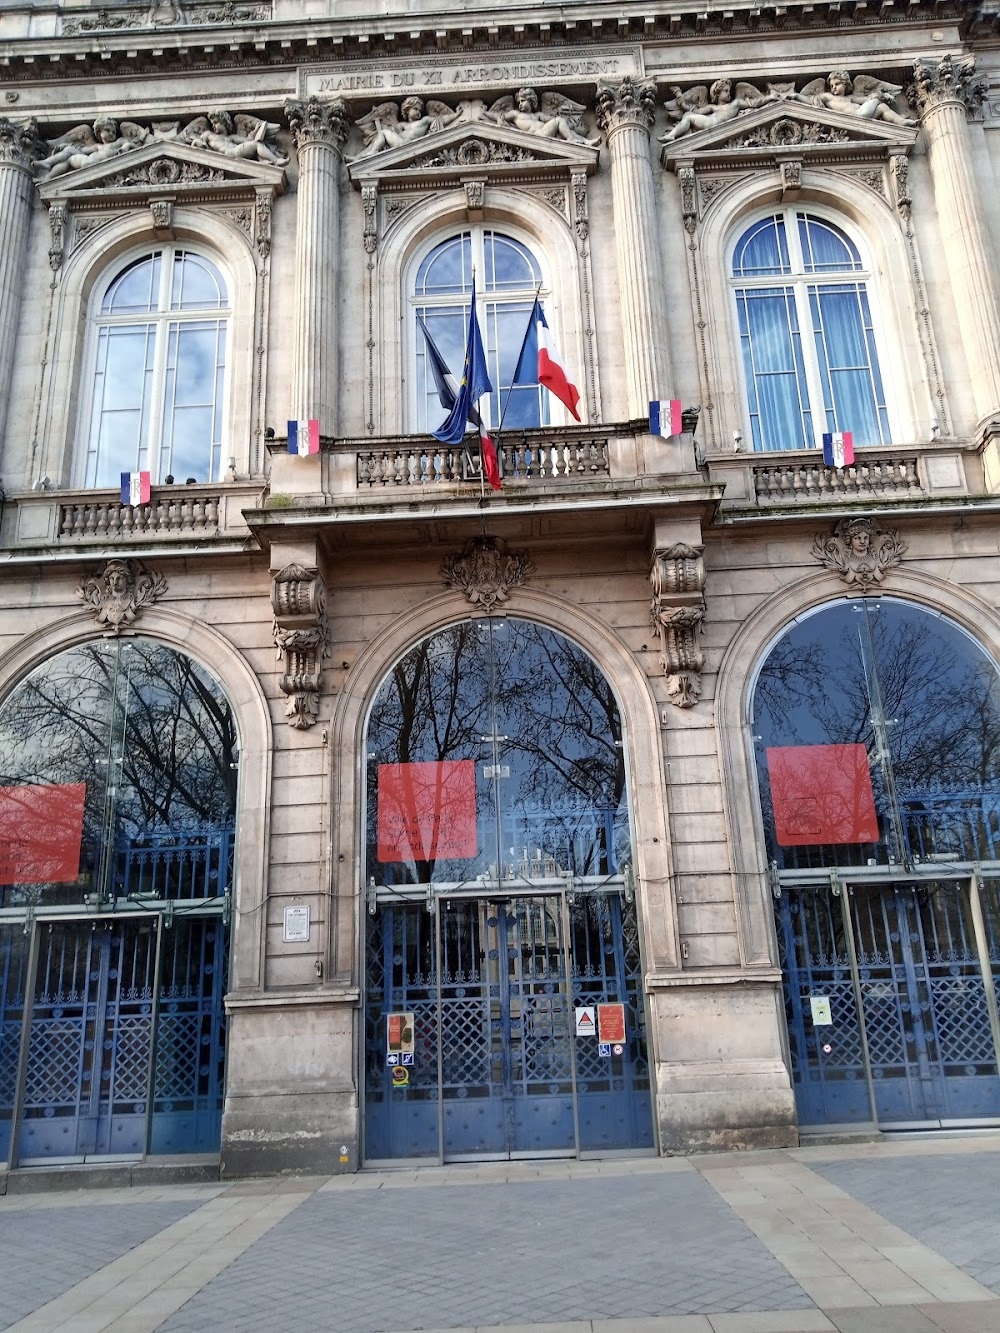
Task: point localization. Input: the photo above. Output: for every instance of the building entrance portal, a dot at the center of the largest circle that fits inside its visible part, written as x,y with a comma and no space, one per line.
500,906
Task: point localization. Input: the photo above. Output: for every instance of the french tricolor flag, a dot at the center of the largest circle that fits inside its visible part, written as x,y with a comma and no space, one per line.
135,488
838,449
540,362
665,418
303,437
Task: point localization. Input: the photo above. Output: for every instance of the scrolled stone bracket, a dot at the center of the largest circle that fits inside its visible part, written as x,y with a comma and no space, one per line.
677,612
301,636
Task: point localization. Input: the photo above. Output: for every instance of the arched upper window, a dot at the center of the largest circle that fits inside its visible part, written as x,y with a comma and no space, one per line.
158,366
118,774
507,277
877,731
807,335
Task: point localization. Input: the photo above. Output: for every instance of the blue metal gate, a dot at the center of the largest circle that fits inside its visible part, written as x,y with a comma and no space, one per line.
119,1008
911,1039
492,984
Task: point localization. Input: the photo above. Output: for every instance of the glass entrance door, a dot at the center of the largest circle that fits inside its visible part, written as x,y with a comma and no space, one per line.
497,873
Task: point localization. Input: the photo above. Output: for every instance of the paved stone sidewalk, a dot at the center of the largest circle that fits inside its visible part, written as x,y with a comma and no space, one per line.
862,1239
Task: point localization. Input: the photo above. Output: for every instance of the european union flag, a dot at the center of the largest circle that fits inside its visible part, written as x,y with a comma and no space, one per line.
475,382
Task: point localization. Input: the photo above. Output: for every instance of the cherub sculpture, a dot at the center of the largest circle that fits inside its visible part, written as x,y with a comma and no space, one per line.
383,128
239,136
83,146
863,96
555,117
703,108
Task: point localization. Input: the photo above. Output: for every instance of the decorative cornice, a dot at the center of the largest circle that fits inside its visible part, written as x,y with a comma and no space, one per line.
315,121
936,82
628,102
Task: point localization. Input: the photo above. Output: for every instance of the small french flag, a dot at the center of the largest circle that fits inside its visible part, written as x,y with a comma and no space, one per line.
135,488
665,418
838,449
303,437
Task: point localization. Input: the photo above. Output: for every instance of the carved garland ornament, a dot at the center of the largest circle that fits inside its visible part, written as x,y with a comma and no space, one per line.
677,577
298,598
118,594
860,551
486,572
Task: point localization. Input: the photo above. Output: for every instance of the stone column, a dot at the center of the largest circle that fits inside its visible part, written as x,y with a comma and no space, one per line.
625,113
18,149
943,92
319,129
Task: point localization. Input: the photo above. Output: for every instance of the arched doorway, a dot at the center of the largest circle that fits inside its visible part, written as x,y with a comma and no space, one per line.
876,727
118,778
501,925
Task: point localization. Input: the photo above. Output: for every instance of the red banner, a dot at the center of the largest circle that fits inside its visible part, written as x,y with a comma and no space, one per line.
821,794
41,829
427,812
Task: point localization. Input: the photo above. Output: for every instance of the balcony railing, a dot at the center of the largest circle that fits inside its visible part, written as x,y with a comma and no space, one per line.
416,463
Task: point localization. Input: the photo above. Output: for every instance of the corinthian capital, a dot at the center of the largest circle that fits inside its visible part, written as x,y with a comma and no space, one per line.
628,102
314,121
945,80
19,144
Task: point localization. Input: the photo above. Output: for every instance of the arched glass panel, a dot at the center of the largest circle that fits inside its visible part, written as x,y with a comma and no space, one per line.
494,753
877,733
808,344
159,383
507,277
118,770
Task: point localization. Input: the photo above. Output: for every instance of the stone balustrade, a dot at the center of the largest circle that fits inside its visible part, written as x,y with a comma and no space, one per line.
883,477
193,513
522,459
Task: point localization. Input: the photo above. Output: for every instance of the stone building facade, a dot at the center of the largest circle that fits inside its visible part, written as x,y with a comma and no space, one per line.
351,810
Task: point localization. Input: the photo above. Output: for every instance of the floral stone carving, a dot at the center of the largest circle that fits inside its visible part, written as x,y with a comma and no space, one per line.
677,578
486,572
118,594
298,598
860,551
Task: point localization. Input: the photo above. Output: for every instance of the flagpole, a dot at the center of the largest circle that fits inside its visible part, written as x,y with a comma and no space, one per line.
524,343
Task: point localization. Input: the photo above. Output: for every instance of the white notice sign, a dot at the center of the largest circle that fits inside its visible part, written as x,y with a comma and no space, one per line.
820,1006
586,1024
296,925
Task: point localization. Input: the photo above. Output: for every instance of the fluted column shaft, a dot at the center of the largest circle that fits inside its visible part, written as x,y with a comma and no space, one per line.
943,92
625,111
17,151
320,129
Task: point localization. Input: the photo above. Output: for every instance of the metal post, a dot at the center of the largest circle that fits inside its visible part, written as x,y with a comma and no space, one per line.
841,891
567,952
22,1059
154,1015
440,1028
985,963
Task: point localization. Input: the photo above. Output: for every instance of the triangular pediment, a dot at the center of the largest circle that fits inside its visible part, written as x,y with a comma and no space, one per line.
784,128
478,147
163,168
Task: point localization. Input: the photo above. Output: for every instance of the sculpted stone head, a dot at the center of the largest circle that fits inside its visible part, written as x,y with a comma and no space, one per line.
413,108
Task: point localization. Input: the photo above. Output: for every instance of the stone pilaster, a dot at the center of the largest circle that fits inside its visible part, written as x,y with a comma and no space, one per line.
319,129
943,92
625,112
18,149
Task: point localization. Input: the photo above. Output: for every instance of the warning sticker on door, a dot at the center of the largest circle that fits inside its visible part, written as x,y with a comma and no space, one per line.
586,1025
611,1022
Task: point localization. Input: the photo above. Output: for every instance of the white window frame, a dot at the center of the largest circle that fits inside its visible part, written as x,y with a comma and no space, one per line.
160,321
799,281
417,400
